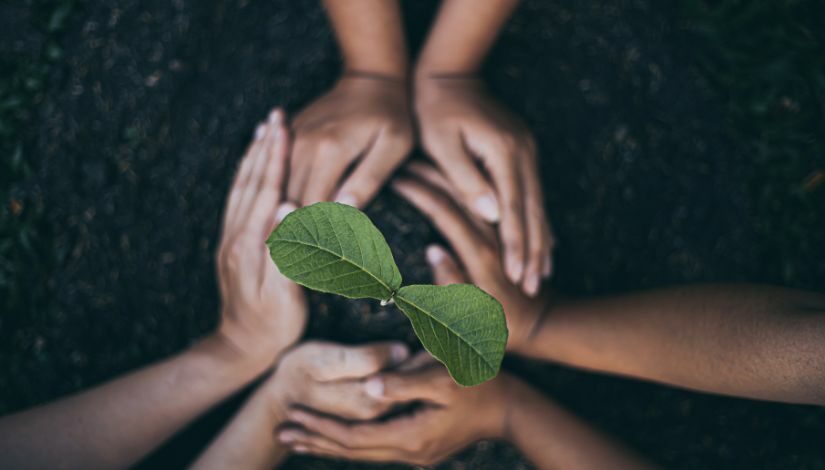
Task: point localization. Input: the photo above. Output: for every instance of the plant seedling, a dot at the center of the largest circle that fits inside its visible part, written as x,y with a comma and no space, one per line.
335,248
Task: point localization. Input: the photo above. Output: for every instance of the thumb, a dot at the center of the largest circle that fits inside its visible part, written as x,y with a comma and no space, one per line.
445,269
336,362
427,384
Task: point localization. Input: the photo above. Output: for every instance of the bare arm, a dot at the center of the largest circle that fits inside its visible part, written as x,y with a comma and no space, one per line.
746,340
487,153
115,424
370,34
551,437
463,33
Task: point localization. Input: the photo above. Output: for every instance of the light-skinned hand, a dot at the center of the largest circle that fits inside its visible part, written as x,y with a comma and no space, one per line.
262,311
450,418
331,378
349,141
476,247
489,156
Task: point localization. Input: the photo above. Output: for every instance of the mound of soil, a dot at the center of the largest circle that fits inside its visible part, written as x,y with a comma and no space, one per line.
154,102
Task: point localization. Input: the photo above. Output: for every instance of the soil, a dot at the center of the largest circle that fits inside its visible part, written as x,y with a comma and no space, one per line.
152,103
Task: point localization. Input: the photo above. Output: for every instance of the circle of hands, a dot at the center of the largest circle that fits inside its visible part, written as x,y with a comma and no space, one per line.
482,195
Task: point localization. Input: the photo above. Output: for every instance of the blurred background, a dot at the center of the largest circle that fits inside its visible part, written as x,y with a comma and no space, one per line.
681,141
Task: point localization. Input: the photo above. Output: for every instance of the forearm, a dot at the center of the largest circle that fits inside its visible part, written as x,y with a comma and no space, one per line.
370,34
462,35
115,424
250,439
753,341
553,438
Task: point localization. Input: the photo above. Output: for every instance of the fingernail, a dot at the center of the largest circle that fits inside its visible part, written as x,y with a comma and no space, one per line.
435,255
399,353
547,267
514,269
260,131
347,199
487,208
288,436
374,387
531,284
276,116
300,449
284,210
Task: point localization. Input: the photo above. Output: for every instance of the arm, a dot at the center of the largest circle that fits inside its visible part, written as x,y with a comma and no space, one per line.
115,424
363,123
485,152
754,341
551,437
744,340
457,46
370,35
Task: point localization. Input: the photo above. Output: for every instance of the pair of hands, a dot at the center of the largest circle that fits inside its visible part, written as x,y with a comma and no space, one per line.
351,140
327,395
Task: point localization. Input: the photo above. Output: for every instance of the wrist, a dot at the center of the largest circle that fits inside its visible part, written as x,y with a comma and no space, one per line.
519,399
244,350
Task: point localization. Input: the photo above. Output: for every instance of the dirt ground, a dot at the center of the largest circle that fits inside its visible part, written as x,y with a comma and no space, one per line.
133,135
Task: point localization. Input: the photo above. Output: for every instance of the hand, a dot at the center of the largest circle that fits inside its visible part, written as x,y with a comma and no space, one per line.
450,418
263,312
331,378
476,247
364,122
459,124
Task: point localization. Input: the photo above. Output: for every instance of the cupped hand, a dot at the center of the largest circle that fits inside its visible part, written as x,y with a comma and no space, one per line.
262,311
490,157
349,141
477,249
331,378
450,418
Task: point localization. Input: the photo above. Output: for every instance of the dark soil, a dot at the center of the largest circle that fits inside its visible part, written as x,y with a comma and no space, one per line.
149,104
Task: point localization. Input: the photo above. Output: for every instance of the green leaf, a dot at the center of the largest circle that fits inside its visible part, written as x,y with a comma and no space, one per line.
335,248
460,325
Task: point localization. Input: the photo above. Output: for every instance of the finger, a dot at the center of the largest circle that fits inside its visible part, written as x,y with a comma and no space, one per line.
394,433
506,175
382,159
536,226
431,383
429,174
303,442
460,168
329,165
550,242
445,269
421,359
303,155
242,177
448,219
262,215
256,175
336,362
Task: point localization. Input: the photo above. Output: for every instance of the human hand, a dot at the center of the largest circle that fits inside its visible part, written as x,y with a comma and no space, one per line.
362,122
477,249
331,378
462,126
450,418
262,311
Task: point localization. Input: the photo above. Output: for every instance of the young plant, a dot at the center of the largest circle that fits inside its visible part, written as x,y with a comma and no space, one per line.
335,248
